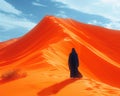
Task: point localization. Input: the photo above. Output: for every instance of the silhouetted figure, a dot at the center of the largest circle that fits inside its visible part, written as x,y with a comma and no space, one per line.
73,63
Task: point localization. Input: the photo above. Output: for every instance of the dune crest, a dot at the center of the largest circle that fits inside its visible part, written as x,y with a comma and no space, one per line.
49,43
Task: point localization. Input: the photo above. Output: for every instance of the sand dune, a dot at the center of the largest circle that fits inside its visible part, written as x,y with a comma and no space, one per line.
41,56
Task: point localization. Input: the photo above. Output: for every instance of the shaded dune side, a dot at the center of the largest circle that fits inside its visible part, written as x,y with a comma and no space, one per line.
30,45
50,43
8,42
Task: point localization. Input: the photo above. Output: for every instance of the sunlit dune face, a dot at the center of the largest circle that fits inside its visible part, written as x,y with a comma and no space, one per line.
41,56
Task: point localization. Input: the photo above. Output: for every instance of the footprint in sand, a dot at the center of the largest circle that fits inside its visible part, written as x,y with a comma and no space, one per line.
89,88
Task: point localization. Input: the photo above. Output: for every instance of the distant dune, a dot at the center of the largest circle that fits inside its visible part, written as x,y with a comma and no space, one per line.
42,54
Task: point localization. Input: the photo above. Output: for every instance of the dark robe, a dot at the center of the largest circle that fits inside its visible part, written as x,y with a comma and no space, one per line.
73,63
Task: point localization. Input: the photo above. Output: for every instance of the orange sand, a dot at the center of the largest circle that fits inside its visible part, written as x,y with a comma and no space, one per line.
42,54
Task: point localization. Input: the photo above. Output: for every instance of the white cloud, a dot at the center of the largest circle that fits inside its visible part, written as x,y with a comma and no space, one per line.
107,8
110,25
95,22
8,8
61,14
9,22
113,25
111,1
11,18
38,4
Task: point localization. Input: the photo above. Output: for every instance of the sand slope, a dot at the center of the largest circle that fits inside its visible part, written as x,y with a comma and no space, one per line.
42,55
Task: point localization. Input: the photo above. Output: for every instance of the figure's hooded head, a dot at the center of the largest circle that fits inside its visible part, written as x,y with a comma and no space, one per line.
73,50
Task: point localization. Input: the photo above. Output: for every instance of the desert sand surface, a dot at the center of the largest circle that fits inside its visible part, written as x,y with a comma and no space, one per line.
36,64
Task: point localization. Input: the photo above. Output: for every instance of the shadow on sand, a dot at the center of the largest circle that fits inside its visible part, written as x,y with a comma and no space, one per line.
56,87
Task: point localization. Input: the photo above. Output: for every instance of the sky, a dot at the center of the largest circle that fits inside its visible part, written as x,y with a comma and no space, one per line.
18,17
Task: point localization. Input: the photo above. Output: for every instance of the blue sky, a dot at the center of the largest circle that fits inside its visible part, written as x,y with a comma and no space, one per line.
17,17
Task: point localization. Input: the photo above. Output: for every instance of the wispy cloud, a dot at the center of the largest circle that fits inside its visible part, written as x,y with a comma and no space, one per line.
61,14
38,4
8,8
95,22
113,25
12,18
110,25
9,22
107,8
